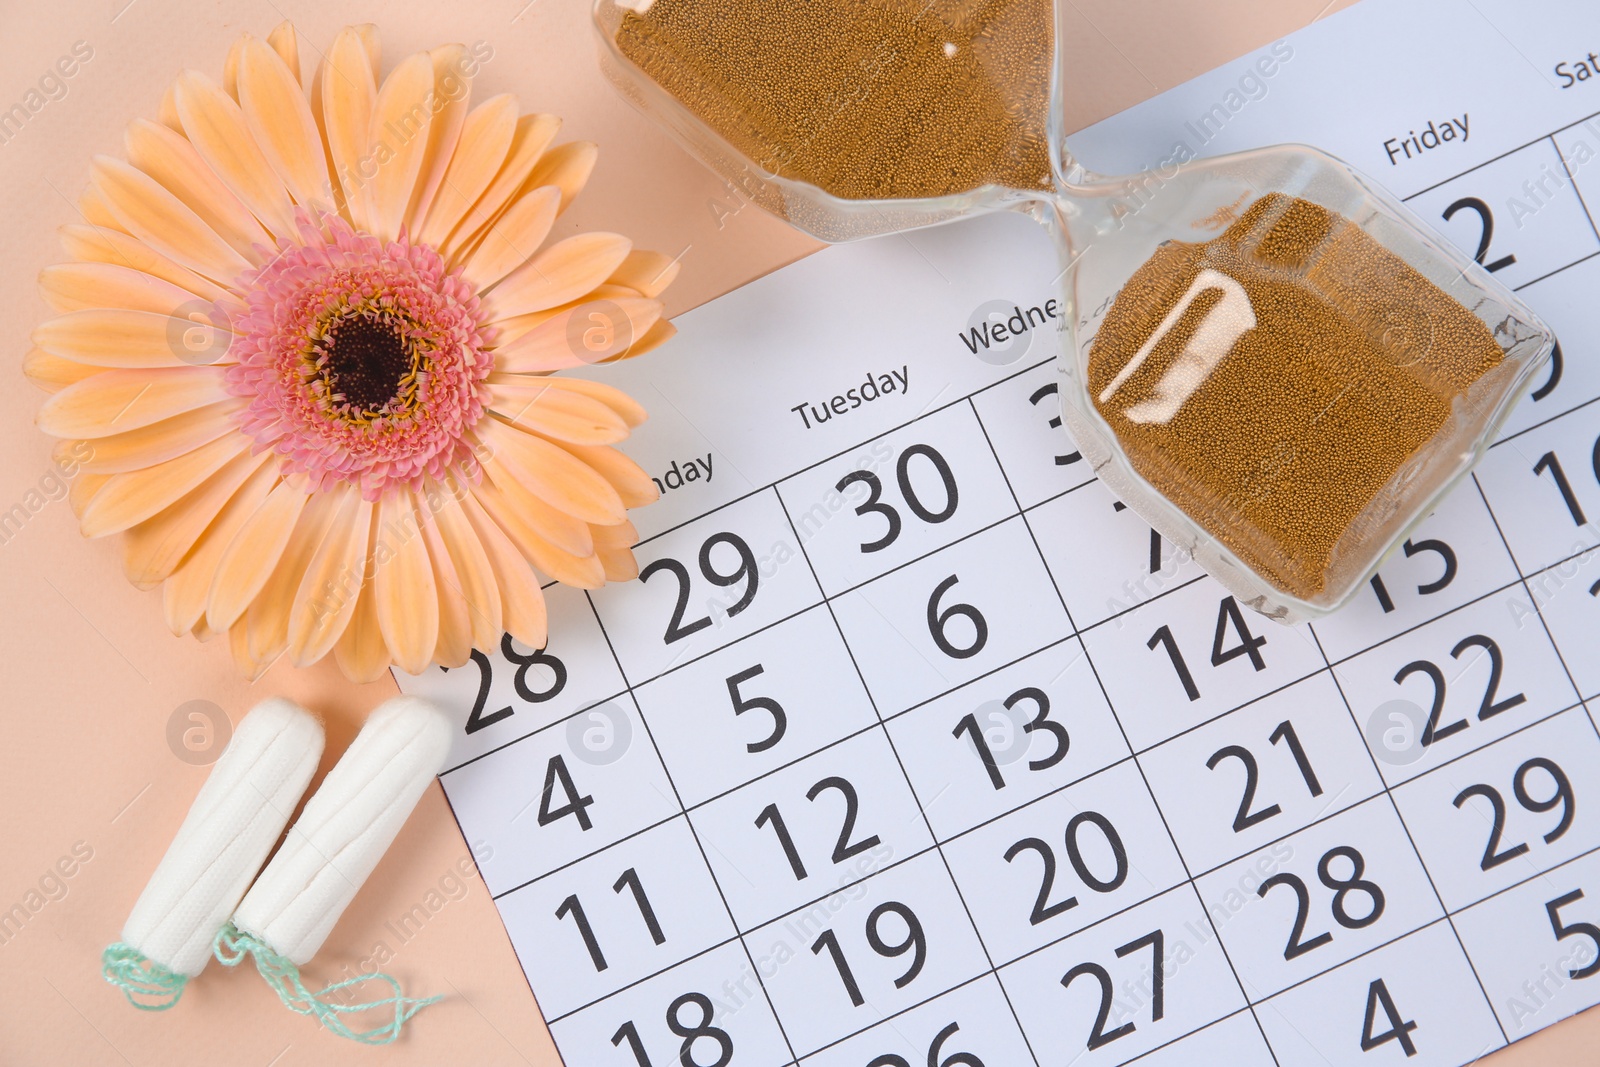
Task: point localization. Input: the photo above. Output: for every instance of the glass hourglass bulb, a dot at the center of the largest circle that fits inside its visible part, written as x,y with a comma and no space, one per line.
1265,354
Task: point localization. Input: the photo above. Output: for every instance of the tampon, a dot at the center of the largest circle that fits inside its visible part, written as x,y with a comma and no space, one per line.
231,826
346,827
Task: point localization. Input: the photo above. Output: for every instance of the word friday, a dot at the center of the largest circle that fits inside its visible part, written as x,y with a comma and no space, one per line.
1413,144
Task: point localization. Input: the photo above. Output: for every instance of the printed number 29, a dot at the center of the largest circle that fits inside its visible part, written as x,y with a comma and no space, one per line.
746,574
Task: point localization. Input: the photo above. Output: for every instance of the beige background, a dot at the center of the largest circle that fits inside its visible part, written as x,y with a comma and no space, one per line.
92,676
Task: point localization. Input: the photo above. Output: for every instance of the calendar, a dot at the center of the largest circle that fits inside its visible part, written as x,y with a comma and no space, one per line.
911,745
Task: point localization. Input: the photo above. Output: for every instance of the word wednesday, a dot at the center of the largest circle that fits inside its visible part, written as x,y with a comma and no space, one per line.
1413,144
1018,323
876,385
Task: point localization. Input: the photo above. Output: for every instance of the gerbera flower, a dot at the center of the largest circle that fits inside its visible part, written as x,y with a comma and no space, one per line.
305,344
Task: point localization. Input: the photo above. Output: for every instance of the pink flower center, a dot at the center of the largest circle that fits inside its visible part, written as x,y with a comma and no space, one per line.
363,360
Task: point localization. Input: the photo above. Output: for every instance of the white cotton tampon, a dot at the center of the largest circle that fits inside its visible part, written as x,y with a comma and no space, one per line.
346,827
231,826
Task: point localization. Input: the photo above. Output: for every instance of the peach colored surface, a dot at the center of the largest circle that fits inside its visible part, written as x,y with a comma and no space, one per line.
92,674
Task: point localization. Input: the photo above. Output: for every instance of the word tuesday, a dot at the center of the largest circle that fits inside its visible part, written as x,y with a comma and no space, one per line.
876,385
1414,144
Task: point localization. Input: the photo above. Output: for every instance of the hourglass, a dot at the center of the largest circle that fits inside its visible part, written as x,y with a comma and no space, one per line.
1265,355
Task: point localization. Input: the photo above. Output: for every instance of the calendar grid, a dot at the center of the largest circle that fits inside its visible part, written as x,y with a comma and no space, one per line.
843,453
1077,635
991,968
1331,813
1506,440
1591,553
1032,536
1143,777
1484,1051
536,730
1198,1030
936,847
1523,581
1580,704
684,814
1508,153
1074,636
1197,875
1559,270
1076,632
798,759
1444,918
889,1019
1412,841
1572,181
921,809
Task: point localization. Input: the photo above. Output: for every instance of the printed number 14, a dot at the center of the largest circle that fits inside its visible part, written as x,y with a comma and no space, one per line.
1228,615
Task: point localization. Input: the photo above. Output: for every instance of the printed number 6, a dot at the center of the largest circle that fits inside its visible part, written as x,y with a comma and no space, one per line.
939,619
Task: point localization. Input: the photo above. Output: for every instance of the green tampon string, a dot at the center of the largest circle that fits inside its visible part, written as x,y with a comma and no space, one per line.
233,945
147,984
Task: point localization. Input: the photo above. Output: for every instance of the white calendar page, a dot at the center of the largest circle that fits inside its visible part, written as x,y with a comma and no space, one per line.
913,746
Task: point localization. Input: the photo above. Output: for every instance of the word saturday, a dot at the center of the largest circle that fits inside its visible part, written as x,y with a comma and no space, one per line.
876,385
679,475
